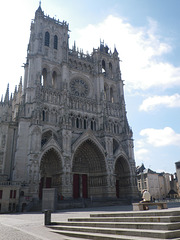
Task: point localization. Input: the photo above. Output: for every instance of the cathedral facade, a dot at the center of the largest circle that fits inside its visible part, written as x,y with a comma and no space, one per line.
65,126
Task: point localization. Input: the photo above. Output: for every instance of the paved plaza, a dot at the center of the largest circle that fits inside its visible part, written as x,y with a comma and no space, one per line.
30,226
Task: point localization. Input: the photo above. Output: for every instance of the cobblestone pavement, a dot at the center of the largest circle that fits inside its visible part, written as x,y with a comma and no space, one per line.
30,226
14,234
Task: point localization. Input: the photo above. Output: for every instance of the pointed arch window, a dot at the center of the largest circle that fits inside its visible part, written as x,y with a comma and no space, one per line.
85,123
54,79
92,125
44,77
56,42
47,39
110,69
103,66
73,122
43,115
115,128
105,93
77,122
80,123
111,95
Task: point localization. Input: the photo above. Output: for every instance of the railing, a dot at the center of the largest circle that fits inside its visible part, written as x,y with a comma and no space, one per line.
83,104
80,55
51,96
10,183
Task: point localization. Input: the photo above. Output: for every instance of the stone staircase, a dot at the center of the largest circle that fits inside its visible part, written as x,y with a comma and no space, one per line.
152,224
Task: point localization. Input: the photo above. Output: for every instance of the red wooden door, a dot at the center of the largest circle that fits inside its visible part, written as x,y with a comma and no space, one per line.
117,188
84,186
76,190
48,182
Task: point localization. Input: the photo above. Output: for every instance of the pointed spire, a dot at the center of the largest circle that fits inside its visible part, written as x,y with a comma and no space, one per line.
20,85
15,90
39,8
115,51
39,11
11,98
74,47
6,99
15,93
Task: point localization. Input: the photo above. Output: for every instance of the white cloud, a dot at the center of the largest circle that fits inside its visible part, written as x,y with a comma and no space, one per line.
141,50
140,143
142,154
161,137
168,101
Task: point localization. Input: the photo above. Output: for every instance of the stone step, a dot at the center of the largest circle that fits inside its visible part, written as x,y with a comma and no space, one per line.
161,224
121,231
165,219
129,225
139,213
100,236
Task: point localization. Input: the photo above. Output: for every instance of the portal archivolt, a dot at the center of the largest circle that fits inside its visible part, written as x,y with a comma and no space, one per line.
89,171
123,178
51,171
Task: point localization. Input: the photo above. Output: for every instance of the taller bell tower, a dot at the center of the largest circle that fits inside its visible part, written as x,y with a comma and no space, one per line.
47,51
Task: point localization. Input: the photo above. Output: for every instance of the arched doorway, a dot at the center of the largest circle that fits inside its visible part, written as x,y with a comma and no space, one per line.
50,170
89,171
123,178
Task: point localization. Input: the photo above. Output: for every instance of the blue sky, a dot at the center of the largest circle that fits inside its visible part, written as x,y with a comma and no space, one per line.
147,37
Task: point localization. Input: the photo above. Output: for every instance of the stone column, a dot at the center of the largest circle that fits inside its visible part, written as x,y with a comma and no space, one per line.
111,180
67,178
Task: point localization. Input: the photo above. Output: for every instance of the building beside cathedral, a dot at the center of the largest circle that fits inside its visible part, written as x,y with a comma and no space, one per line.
65,127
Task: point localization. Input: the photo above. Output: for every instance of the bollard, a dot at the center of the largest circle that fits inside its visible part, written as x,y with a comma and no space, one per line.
47,217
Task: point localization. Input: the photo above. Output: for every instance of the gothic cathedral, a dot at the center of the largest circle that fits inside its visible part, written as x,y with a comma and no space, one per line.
65,126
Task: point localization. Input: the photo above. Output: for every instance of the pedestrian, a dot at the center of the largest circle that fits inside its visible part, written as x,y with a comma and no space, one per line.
146,197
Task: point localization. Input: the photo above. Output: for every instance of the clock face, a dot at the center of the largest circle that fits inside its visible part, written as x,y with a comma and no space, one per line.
79,88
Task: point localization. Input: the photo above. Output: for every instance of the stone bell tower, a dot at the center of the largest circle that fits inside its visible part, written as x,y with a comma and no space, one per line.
47,48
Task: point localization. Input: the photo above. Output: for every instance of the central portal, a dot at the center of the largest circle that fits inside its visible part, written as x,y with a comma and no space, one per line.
89,171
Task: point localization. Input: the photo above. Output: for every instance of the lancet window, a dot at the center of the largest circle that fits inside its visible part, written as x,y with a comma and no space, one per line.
103,66
93,124
55,42
110,69
47,39
54,79
44,77
111,95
